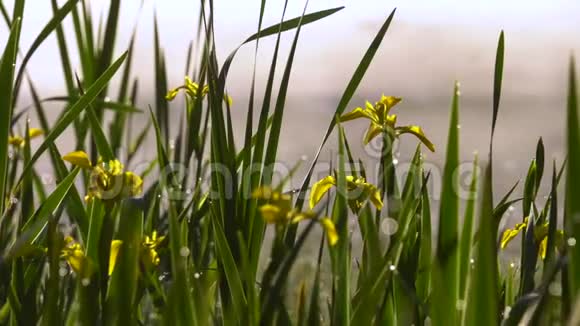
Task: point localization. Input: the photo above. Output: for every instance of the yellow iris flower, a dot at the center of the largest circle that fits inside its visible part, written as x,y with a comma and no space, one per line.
381,121
19,141
78,261
540,234
279,210
108,180
362,189
192,89
150,244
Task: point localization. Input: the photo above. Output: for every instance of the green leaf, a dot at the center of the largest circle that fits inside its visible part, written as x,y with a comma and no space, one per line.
467,232
6,92
497,81
483,292
446,277
572,205
32,229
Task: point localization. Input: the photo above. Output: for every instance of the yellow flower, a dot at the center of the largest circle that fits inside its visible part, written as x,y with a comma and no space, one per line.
280,211
108,180
74,255
150,257
540,235
331,233
191,88
381,121
362,189
19,141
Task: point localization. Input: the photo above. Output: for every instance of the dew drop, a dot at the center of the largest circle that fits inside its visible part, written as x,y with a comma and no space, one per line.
395,161
555,289
458,126
460,304
62,272
14,200
571,242
472,261
107,99
392,267
184,252
85,281
196,275
506,311
389,226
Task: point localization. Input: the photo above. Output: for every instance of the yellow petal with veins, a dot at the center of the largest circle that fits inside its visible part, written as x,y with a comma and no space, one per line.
319,189
418,132
78,158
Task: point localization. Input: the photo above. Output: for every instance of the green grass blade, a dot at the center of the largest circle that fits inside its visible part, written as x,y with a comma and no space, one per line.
483,292
572,205
467,231
121,297
446,279
6,86
74,111
38,221
52,24
497,81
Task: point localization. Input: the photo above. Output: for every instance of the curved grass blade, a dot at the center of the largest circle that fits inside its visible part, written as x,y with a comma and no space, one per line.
52,24
74,111
497,81
32,229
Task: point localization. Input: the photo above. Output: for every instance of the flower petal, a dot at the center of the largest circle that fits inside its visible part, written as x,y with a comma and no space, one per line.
115,246
270,214
359,113
35,132
78,158
508,235
319,189
373,131
330,230
375,197
418,132
543,247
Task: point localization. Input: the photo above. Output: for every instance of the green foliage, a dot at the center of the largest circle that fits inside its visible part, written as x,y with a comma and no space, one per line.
229,251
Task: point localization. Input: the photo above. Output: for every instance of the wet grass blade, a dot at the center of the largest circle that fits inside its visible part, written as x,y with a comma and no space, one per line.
467,231
483,292
446,277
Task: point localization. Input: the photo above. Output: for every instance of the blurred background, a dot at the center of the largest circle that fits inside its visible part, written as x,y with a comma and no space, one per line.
430,45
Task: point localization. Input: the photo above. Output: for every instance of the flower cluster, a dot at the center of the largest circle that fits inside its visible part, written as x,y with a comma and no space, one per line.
279,210
540,235
383,122
193,90
79,263
108,181
358,188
